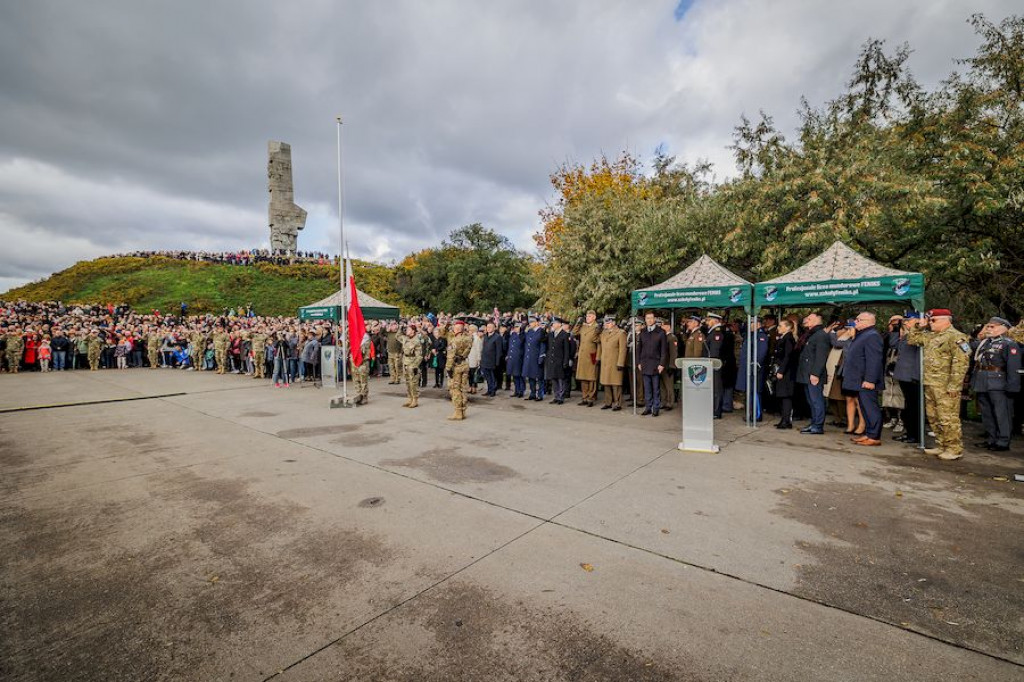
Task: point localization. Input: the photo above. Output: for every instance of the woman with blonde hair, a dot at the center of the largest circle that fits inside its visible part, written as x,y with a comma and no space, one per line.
783,368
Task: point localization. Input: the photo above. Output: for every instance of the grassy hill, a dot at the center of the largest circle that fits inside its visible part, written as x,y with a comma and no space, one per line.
162,283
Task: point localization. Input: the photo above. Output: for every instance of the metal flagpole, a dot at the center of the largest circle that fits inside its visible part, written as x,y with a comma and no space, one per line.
342,400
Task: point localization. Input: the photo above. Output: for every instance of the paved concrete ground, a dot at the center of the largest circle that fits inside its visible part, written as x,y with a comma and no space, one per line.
228,530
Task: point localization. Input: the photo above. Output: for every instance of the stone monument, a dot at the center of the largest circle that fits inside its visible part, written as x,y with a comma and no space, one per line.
286,218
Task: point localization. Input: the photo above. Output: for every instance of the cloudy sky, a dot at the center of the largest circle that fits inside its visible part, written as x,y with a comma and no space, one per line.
144,125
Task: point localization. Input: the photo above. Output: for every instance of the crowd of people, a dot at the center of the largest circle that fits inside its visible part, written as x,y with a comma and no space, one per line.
244,257
871,376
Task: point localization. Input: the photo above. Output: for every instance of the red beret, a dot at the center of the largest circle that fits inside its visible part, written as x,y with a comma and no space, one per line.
940,312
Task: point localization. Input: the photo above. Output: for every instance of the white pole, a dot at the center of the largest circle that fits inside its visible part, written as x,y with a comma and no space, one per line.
342,281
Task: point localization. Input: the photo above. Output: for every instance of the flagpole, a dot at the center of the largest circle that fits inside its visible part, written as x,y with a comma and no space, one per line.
342,400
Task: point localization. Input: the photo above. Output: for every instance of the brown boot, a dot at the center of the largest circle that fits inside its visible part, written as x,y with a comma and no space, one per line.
407,403
415,402
455,417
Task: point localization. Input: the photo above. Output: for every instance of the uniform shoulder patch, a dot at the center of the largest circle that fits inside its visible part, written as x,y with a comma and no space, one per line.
1013,351
965,347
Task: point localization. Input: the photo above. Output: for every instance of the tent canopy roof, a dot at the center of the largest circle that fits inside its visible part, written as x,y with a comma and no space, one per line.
365,301
704,272
704,284
837,262
841,275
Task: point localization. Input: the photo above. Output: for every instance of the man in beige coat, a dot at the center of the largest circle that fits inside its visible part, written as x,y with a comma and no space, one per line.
589,335
613,362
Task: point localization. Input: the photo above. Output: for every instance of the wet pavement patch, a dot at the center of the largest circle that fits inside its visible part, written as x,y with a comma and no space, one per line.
362,440
313,431
903,559
258,413
371,502
159,588
447,466
461,632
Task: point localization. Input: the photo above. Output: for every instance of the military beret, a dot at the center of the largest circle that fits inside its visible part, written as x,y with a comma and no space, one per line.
1000,320
458,320
940,312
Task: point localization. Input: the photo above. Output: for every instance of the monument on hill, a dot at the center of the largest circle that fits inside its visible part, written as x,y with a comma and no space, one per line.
285,217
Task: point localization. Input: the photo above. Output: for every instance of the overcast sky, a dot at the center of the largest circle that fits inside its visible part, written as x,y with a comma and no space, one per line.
144,125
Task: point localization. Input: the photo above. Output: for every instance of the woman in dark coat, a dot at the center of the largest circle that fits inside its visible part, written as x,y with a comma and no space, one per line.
784,364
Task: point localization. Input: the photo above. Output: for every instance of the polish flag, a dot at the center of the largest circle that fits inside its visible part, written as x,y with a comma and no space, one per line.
356,324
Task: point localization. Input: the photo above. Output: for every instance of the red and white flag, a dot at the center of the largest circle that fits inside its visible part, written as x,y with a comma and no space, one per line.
356,324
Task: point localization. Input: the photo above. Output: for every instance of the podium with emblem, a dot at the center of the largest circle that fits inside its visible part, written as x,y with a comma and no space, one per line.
698,403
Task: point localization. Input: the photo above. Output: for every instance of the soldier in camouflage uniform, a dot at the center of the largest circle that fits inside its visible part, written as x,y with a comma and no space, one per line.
198,341
95,345
395,343
153,347
15,348
259,355
411,356
1017,333
361,372
220,349
947,354
457,368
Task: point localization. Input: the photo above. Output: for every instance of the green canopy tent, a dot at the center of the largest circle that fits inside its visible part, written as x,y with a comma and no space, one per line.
331,308
703,285
841,275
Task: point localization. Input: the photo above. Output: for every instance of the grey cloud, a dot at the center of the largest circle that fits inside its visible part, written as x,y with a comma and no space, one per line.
455,112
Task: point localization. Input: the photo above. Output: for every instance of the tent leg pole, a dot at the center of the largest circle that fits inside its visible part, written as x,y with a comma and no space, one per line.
632,330
924,436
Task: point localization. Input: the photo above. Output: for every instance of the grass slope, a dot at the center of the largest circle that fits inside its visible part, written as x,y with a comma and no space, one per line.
162,283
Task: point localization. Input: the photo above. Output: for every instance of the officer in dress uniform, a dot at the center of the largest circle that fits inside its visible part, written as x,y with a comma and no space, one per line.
694,347
996,373
668,377
589,335
715,346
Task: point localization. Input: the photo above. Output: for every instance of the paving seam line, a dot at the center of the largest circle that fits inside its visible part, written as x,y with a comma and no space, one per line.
552,521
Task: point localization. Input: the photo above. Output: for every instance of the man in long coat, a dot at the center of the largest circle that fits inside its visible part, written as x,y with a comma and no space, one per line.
652,356
558,361
589,335
613,362
534,353
514,359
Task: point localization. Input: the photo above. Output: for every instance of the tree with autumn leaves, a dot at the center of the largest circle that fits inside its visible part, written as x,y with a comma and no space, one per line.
925,181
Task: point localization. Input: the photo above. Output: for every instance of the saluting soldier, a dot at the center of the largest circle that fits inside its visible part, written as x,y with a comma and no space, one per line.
412,353
694,346
259,355
198,341
946,357
95,345
15,348
589,335
361,371
457,368
613,362
668,377
153,347
996,373
220,349
395,345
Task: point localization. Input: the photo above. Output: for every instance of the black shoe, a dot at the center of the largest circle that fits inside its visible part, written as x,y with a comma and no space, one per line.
553,401
812,430
1000,448
984,445
655,413
645,413
718,416
616,409
582,403
606,407
559,402
667,408
784,426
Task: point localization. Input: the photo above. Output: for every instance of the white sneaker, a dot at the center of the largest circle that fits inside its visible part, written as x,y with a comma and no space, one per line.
899,428
931,433
889,424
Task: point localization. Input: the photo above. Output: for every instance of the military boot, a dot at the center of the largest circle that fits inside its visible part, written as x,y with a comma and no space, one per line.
407,403
950,456
456,416
933,452
415,402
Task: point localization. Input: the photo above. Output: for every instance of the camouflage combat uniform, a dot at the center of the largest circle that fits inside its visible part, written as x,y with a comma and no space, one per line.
410,359
1017,333
198,340
15,348
153,348
220,349
94,352
458,371
259,356
395,350
946,357
361,375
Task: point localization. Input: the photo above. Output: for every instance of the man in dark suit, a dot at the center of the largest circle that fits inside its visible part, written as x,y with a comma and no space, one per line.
652,357
811,371
490,356
863,371
557,363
